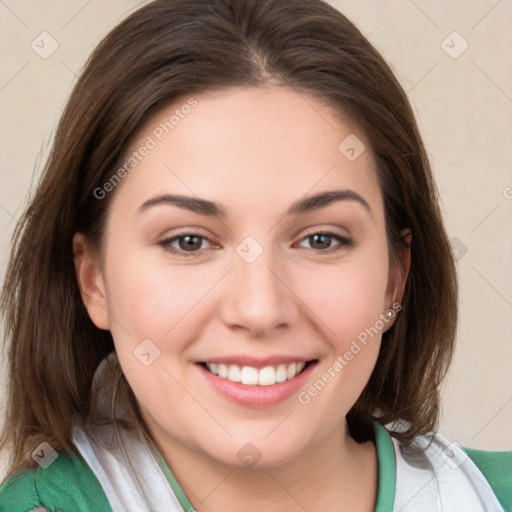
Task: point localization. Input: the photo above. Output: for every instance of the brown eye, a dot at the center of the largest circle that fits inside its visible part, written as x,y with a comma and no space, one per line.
320,241
188,244
323,242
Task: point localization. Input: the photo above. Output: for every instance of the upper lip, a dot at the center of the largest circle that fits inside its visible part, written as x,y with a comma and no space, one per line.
255,362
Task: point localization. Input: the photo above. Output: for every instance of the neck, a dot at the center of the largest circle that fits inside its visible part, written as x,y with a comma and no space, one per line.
336,473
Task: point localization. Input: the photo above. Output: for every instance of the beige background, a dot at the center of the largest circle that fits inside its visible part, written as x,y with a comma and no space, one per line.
464,108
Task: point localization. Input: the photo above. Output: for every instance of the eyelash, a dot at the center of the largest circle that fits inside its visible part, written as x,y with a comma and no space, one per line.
166,244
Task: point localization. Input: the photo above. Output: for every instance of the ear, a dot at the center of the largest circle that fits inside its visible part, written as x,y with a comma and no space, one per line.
90,279
399,270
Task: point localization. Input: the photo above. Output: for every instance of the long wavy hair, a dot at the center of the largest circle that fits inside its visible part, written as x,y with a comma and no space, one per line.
163,51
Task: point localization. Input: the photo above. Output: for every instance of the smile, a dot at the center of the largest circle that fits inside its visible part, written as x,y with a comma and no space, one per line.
251,376
257,382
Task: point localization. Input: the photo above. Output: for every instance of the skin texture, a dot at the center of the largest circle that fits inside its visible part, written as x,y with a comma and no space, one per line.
255,152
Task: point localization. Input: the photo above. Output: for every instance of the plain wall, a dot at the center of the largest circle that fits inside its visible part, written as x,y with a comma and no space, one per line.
463,102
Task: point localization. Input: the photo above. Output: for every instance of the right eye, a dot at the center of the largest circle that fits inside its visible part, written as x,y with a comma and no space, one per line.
186,244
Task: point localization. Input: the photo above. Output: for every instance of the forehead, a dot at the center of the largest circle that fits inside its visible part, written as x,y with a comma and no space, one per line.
249,146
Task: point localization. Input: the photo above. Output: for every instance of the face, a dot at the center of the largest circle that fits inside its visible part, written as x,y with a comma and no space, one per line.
242,309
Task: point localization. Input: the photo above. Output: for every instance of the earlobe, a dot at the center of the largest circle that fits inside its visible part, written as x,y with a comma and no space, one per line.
90,280
399,270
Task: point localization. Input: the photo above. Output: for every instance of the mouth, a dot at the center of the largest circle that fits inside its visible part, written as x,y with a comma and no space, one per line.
252,376
257,383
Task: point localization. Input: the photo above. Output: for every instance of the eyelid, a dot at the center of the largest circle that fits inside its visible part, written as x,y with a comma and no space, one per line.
166,243
324,231
343,242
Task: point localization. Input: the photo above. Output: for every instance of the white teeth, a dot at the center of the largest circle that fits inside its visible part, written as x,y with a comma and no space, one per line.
249,376
281,375
223,371
267,376
291,371
234,373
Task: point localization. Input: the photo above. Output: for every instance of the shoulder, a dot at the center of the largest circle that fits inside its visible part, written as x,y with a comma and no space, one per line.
496,466
67,484
435,470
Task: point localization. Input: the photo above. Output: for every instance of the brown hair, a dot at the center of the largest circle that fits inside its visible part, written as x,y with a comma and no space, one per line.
163,51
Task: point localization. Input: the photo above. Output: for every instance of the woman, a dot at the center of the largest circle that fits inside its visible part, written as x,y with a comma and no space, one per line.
190,345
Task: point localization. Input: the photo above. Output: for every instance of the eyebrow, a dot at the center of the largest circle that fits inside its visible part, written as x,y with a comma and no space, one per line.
212,209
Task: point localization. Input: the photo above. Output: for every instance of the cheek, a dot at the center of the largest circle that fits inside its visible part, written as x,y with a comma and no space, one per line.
149,298
348,302
346,298
154,312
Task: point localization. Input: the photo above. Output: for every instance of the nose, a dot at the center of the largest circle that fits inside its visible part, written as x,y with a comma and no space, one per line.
258,299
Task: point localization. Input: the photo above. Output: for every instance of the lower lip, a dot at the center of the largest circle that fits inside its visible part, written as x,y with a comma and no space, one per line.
257,396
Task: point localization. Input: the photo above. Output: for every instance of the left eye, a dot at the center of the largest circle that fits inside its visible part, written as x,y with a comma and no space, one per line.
322,241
